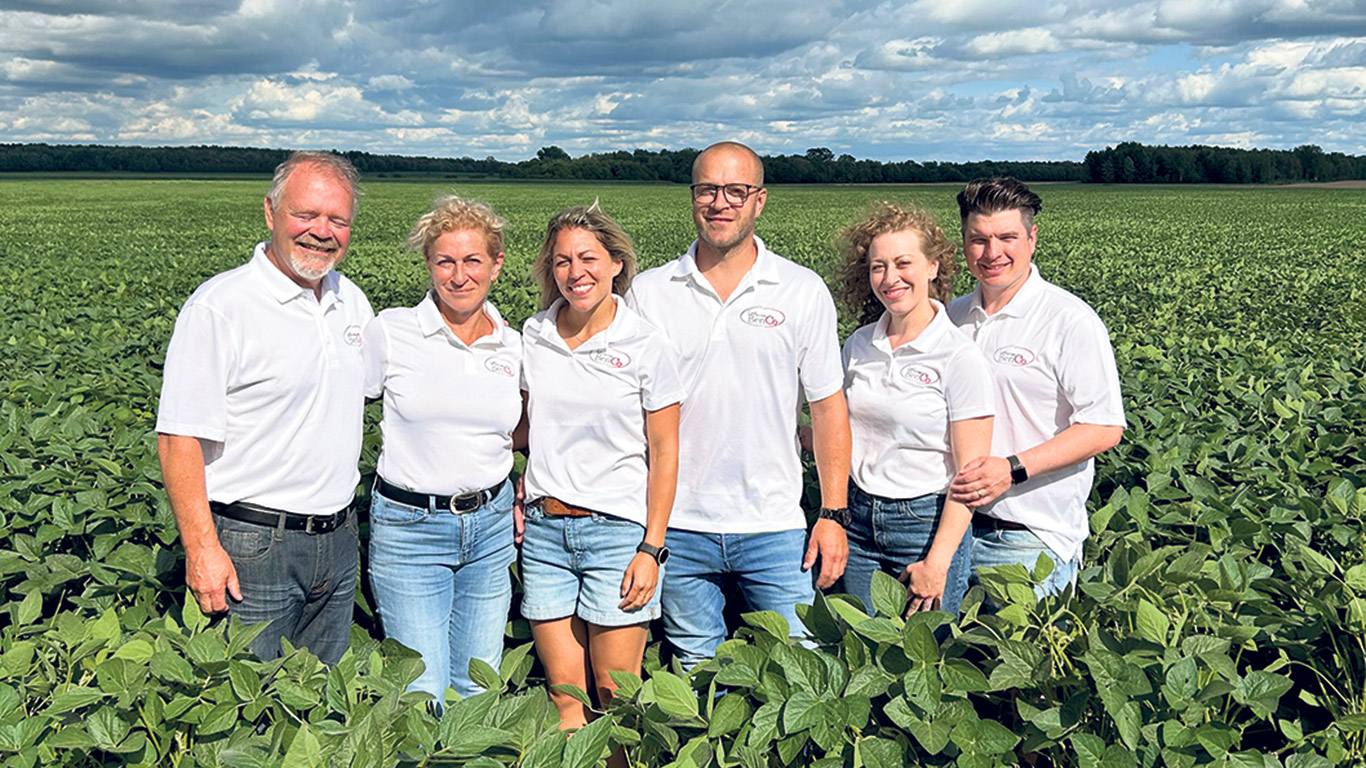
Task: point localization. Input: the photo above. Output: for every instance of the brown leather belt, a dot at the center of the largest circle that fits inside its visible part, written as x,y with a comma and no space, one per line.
996,524
553,507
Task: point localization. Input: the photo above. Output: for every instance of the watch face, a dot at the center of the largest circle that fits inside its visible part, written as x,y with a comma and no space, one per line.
662,556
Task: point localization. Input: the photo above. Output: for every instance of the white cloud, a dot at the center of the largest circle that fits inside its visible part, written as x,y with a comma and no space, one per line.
389,83
944,79
1013,43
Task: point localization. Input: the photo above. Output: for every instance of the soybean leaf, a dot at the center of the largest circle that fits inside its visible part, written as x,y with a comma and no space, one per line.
589,744
674,695
304,751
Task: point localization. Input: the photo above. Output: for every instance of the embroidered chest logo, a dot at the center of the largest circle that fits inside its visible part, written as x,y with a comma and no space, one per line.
1017,357
763,317
352,335
610,358
500,367
920,374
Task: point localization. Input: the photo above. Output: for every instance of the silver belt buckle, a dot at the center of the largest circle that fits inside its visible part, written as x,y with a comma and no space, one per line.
457,503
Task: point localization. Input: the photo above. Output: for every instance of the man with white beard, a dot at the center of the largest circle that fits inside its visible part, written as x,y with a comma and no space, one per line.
259,424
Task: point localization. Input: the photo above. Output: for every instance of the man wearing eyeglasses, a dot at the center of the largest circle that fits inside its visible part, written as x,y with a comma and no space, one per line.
755,333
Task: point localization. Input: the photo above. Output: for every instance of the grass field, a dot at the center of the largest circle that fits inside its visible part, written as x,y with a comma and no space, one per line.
1219,620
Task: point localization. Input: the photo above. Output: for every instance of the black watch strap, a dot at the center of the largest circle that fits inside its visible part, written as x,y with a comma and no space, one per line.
660,554
841,516
1018,473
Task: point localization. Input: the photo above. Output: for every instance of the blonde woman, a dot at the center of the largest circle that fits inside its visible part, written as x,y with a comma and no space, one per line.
441,524
603,395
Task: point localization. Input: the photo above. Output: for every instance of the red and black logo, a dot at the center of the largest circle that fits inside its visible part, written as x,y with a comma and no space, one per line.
352,335
500,367
920,374
1018,357
609,357
763,317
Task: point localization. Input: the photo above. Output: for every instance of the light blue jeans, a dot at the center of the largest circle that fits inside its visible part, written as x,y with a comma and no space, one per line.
993,547
442,585
890,534
767,568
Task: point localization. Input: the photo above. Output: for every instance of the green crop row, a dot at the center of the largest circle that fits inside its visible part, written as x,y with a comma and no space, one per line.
1219,619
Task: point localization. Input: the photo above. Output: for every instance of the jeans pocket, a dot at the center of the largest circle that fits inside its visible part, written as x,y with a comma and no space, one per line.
923,509
386,511
245,542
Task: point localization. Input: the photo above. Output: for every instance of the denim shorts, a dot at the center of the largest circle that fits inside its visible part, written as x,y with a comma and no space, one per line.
573,566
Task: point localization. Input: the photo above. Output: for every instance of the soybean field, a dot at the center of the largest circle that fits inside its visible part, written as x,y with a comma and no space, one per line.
1219,618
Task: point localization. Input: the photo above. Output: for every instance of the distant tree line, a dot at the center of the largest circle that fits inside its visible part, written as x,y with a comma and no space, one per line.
1126,163
817,165
1132,163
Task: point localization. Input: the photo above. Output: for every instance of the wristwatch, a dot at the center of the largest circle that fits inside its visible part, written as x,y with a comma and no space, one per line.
660,554
842,516
1018,473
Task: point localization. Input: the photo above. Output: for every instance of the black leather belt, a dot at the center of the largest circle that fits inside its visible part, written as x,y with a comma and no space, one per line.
459,505
996,524
259,515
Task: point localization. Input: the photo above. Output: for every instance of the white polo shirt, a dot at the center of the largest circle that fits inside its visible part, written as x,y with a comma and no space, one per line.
449,409
586,409
1053,367
902,400
746,363
273,378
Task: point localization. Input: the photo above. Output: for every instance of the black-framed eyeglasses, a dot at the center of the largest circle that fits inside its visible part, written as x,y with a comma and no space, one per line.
736,194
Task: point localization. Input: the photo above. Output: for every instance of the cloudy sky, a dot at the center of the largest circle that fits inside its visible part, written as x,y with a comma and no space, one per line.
926,79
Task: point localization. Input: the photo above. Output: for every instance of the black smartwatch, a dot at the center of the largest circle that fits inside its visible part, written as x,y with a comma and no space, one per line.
842,516
1018,473
660,554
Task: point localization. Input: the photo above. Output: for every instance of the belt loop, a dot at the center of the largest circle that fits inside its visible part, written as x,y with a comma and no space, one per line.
280,527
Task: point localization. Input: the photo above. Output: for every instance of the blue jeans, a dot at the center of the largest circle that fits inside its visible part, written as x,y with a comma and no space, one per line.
442,585
303,584
767,568
994,547
890,534
573,566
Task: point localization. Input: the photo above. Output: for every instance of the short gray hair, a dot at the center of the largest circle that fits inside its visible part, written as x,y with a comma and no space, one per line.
333,163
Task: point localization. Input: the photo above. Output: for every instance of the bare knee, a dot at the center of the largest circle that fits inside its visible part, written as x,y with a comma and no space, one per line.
573,714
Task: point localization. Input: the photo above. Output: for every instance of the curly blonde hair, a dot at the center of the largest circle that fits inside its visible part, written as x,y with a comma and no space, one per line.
609,233
855,292
453,213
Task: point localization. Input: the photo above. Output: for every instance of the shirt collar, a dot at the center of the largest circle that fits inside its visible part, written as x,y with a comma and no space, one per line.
765,269
1020,303
430,322
282,289
927,341
622,327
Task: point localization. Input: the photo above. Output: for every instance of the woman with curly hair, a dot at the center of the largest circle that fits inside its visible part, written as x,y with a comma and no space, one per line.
920,407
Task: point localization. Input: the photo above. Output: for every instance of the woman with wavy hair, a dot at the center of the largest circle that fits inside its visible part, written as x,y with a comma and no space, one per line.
920,407
603,394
